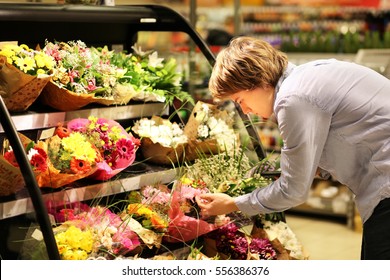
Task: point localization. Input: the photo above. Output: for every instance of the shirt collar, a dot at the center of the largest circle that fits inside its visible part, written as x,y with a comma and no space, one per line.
286,73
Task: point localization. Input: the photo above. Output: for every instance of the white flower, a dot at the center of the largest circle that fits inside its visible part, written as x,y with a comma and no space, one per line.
31,153
286,236
165,133
155,61
138,49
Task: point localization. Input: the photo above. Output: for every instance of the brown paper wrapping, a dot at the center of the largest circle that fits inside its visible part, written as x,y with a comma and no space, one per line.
196,147
66,100
63,99
18,89
156,153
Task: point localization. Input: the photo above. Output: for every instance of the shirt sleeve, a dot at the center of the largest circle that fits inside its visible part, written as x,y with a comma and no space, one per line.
304,127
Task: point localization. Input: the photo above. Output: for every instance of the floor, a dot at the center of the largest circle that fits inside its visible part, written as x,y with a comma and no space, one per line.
325,238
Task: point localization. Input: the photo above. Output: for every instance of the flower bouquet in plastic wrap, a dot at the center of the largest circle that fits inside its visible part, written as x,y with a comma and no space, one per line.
11,178
162,141
185,221
71,157
117,147
82,75
95,232
209,131
148,220
23,75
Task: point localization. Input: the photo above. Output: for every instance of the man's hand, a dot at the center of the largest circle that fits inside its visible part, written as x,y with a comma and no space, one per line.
216,204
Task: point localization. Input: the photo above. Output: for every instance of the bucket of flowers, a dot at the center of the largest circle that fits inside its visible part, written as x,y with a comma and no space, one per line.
24,73
162,141
117,147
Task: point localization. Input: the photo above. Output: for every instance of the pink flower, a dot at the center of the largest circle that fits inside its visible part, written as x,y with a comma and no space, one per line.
125,148
91,85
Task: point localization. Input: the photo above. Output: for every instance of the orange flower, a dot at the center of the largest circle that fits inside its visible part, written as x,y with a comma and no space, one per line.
158,222
62,131
79,166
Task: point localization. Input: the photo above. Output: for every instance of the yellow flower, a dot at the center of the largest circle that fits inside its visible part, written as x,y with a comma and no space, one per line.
74,244
28,60
25,64
77,146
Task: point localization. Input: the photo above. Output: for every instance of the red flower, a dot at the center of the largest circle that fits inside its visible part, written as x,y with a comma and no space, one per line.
79,166
39,162
10,157
136,141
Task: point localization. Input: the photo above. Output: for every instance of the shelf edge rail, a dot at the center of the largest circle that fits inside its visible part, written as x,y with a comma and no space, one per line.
30,181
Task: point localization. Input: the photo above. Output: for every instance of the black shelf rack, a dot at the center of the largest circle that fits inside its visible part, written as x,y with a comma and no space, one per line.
33,24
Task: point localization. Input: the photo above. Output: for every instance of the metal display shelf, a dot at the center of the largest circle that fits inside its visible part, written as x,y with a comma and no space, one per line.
41,120
75,193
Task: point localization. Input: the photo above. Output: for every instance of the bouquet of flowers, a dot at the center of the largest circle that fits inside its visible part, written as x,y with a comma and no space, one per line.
148,222
117,147
82,75
95,232
209,131
71,157
153,78
230,242
185,221
23,74
161,140
281,237
11,178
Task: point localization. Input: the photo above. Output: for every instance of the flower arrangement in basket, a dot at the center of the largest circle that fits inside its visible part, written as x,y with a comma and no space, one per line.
162,141
24,73
117,147
82,75
11,178
209,131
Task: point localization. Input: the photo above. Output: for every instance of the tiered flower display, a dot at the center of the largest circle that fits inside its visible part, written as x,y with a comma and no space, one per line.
116,146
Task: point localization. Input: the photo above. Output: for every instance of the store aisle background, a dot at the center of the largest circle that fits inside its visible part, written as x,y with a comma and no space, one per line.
325,239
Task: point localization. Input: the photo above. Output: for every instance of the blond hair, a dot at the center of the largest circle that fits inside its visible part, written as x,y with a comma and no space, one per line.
246,63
